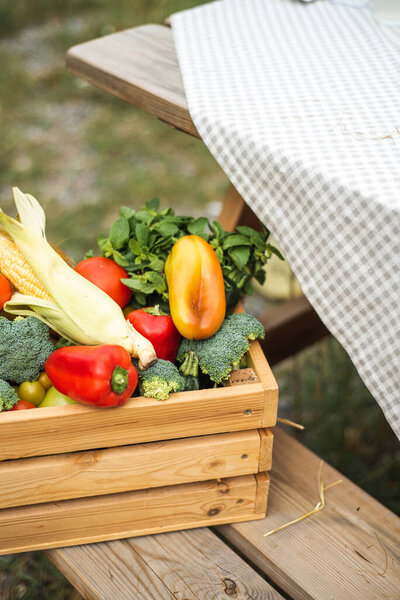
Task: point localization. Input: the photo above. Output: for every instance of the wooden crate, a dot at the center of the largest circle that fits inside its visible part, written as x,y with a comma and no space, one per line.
149,466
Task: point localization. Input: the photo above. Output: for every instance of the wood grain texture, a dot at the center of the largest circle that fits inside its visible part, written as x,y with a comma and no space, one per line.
262,480
232,210
290,327
76,427
348,551
173,566
140,66
256,360
127,468
116,516
266,444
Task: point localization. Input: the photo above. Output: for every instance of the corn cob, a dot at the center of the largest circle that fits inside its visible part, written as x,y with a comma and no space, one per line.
14,266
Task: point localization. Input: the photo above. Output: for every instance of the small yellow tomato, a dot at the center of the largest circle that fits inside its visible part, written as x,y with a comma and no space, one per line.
44,380
31,391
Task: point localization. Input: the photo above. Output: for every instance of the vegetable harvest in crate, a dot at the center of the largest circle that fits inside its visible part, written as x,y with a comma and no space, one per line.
152,311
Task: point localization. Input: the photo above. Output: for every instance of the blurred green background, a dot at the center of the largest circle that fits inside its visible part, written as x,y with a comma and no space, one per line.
83,153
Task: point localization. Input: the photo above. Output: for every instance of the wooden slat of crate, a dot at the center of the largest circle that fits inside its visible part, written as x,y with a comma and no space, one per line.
76,427
128,468
130,514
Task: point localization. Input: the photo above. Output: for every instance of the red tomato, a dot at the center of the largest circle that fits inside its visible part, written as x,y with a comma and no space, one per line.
22,405
5,291
107,275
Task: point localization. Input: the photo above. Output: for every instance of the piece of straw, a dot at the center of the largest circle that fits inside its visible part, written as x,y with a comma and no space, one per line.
319,506
291,423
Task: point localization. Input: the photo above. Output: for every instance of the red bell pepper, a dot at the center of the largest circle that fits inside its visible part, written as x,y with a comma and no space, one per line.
94,375
158,327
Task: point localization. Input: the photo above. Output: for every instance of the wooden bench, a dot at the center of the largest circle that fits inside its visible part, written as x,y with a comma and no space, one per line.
349,550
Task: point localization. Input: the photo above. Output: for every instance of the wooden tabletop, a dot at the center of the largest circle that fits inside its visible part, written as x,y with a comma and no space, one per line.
140,66
348,551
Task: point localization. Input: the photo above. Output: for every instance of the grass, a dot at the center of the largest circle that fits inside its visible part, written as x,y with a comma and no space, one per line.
83,153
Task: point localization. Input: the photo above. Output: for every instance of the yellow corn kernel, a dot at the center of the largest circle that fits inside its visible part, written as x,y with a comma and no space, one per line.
14,266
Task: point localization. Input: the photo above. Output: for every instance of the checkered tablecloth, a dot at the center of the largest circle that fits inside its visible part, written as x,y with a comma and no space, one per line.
300,104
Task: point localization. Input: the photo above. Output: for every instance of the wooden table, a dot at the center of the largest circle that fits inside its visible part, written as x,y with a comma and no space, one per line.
350,550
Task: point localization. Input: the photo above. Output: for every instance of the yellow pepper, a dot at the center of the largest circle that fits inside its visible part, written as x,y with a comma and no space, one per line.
196,288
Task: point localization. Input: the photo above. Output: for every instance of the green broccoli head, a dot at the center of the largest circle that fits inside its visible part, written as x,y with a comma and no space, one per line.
24,347
8,396
159,380
191,383
221,353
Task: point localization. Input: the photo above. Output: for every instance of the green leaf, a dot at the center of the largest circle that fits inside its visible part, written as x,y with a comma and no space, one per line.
260,276
89,254
236,239
218,230
126,212
105,246
275,251
153,204
197,227
138,285
157,281
119,233
248,288
220,254
140,299
143,216
156,264
134,246
120,259
240,255
167,229
248,231
142,234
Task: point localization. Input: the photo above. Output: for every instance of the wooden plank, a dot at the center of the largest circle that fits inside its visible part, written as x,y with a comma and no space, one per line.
127,468
262,480
242,376
232,209
290,327
76,427
350,550
179,565
266,443
129,514
256,360
140,66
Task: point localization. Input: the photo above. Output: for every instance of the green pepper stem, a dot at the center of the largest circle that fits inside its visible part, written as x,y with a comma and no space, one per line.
119,380
156,311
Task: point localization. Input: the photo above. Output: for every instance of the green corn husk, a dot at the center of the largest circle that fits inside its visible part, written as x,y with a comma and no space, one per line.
81,311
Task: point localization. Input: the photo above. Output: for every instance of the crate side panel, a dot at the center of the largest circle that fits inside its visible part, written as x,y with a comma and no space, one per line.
257,361
76,427
127,468
115,516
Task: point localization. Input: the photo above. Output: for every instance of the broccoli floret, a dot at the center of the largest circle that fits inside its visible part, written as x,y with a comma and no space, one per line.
221,353
159,380
8,396
191,383
24,347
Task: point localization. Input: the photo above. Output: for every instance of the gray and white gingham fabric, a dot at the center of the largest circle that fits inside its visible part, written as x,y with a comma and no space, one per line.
300,105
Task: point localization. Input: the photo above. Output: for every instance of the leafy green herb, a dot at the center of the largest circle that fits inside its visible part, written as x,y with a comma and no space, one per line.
141,240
